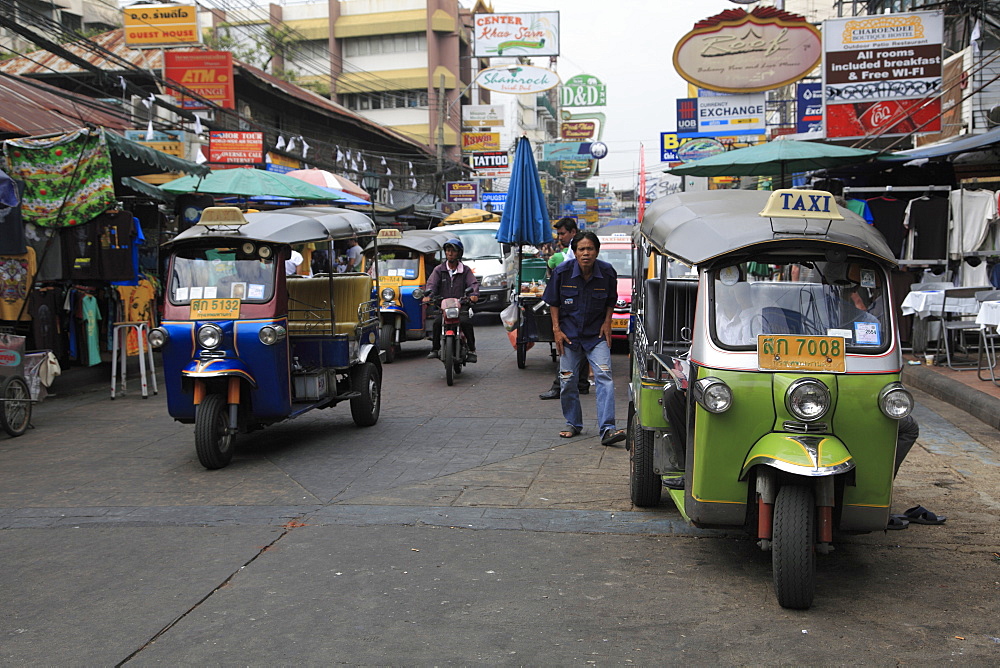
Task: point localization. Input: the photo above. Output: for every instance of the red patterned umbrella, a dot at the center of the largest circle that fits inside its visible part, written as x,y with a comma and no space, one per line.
325,179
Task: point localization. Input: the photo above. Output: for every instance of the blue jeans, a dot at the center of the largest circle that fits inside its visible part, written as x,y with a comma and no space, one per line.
599,358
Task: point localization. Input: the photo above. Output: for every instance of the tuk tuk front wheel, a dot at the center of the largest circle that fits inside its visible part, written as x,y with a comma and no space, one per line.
387,341
366,379
793,547
15,413
212,439
645,485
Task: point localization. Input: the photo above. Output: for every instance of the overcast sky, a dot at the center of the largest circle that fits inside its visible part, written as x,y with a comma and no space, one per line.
629,45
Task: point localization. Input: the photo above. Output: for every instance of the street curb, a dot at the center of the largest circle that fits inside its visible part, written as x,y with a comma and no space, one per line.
980,405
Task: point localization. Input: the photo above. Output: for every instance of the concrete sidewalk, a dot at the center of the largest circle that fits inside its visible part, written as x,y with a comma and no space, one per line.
962,389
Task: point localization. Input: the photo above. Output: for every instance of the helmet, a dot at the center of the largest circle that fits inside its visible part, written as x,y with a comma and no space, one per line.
457,244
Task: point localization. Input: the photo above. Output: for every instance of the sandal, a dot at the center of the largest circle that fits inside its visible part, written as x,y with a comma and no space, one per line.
920,515
613,436
570,432
897,522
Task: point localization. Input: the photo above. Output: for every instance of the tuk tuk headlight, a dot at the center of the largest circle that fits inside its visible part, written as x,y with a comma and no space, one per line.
713,395
807,399
157,337
388,294
895,401
209,336
271,334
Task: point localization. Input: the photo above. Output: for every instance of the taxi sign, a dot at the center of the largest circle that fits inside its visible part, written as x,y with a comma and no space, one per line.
784,352
390,233
788,203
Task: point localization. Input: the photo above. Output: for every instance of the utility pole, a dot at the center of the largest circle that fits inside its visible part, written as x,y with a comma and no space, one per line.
442,109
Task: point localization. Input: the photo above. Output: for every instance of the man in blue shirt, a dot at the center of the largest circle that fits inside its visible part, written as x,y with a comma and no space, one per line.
581,295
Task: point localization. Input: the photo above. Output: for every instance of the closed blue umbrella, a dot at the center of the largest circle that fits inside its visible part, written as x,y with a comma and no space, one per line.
525,215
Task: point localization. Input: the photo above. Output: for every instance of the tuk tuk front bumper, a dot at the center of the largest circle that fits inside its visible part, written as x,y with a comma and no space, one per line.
800,454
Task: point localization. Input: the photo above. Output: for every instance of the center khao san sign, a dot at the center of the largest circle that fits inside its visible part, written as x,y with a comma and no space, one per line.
517,79
737,52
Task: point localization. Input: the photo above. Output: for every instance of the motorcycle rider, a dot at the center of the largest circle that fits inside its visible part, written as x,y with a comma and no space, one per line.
453,279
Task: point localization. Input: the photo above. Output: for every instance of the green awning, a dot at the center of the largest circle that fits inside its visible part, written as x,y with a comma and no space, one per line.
144,160
147,189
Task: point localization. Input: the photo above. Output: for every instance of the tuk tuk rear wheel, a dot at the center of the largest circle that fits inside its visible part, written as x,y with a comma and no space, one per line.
793,547
448,357
212,440
387,342
367,380
15,413
645,485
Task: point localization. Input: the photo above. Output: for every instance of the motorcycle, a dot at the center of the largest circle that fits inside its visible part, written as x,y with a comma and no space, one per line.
454,347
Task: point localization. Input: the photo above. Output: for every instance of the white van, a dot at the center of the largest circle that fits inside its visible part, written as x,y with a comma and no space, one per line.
484,254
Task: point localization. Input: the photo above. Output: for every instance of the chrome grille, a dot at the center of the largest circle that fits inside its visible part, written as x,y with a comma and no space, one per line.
805,427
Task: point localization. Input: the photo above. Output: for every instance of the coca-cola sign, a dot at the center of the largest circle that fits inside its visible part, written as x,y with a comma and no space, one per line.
737,52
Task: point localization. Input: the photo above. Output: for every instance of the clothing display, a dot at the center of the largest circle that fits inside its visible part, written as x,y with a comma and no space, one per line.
118,256
81,252
12,240
91,314
17,273
887,216
46,320
926,220
138,305
48,251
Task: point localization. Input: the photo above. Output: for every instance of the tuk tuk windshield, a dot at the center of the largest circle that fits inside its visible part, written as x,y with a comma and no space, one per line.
842,299
399,263
223,273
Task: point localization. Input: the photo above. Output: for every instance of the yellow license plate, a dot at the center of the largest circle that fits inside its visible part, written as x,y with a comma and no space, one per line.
800,353
390,280
215,309
620,323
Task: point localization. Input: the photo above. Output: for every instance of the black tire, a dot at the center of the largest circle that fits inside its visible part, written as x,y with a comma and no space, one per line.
793,547
15,414
367,379
646,487
212,440
387,341
522,355
448,357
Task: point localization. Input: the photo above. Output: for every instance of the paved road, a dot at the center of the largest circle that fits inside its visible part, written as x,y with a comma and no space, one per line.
460,529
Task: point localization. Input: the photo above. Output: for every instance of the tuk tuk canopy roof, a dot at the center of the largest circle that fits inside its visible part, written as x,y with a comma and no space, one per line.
699,226
420,241
289,226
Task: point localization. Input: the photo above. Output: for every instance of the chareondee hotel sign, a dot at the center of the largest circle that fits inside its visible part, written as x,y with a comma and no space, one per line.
517,79
160,25
737,52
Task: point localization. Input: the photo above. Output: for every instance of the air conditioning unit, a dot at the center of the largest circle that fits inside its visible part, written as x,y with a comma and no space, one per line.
140,114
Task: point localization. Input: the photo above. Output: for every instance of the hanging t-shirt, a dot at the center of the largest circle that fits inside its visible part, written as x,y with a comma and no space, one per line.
81,252
138,305
91,314
860,207
16,275
48,251
927,221
117,256
971,212
12,240
887,217
46,323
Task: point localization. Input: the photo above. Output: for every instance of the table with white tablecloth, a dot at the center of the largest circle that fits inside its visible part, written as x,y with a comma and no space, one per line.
927,303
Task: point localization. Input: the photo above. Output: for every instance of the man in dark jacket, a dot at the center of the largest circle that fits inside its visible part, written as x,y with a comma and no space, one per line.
452,279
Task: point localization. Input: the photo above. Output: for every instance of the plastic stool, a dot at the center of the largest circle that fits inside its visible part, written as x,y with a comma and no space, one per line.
120,345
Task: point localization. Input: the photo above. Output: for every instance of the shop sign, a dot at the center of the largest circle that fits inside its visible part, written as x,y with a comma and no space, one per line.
494,202
574,165
808,107
721,115
482,115
577,129
208,74
159,25
480,141
492,160
174,148
583,90
737,52
517,79
669,143
696,149
882,74
282,163
566,150
236,148
465,192
525,34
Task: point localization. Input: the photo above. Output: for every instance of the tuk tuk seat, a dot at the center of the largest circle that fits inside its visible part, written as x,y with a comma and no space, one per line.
309,305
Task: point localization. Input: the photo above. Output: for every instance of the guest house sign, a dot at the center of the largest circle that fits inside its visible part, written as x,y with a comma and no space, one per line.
737,52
